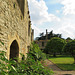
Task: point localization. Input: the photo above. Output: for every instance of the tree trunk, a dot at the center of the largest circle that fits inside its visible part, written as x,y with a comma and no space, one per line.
54,55
74,60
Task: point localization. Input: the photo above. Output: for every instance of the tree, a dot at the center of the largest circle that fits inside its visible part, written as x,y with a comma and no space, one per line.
51,33
42,34
55,45
70,48
68,39
36,38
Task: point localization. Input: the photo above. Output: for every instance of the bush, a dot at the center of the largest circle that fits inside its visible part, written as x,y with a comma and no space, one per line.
36,52
30,66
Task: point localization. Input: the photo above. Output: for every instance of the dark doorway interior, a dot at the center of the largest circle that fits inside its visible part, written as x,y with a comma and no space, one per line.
14,50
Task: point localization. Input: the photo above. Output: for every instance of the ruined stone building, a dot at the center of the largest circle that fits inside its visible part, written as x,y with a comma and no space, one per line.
15,27
43,40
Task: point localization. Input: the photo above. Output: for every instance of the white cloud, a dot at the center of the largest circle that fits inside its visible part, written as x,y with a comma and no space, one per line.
64,25
57,11
36,30
69,6
67,31
68,20
39,13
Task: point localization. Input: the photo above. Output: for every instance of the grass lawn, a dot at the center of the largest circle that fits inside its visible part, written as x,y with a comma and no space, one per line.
64,63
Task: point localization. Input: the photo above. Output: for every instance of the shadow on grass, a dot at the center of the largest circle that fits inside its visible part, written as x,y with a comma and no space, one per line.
66,67
59,56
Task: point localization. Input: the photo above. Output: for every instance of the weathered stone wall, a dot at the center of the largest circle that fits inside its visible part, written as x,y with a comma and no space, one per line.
14,26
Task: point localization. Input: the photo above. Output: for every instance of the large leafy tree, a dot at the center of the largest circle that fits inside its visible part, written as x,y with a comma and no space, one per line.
70,48
55,45
41,34
68,39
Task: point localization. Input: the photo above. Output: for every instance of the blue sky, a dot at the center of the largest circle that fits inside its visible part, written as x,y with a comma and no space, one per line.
56,15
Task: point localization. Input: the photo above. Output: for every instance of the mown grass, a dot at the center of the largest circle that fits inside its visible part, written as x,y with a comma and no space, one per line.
64,63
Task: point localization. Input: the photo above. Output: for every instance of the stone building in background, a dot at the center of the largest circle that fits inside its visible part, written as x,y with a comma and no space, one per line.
15,27
43,39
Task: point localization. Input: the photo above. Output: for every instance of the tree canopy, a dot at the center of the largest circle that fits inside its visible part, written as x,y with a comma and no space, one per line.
70,48
55,45
49,35
68,39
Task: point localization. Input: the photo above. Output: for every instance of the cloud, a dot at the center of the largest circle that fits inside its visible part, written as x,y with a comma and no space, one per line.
39,15
36,30
57,11
68,20
53,1
69,6
39,12
64,25
67,31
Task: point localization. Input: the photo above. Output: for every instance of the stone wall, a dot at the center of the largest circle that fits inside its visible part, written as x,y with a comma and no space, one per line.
41,43
14,25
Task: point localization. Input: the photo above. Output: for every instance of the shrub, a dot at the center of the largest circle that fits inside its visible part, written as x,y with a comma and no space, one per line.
24,67
36,52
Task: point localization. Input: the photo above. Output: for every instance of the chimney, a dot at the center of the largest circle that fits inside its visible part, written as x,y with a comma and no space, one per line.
46,34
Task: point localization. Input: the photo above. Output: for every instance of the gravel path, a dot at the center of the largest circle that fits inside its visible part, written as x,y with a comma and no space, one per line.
57,71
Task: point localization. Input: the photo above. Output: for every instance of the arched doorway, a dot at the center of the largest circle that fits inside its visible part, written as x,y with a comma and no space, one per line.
14,50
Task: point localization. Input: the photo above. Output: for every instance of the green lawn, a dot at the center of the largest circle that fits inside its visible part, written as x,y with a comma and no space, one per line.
64,63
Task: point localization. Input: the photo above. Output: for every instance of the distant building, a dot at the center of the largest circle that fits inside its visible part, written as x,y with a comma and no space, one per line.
42,41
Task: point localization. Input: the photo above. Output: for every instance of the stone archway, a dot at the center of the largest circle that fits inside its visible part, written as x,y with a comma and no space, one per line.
14,50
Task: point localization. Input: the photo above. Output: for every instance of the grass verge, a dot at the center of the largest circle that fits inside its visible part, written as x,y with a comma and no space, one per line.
64,63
